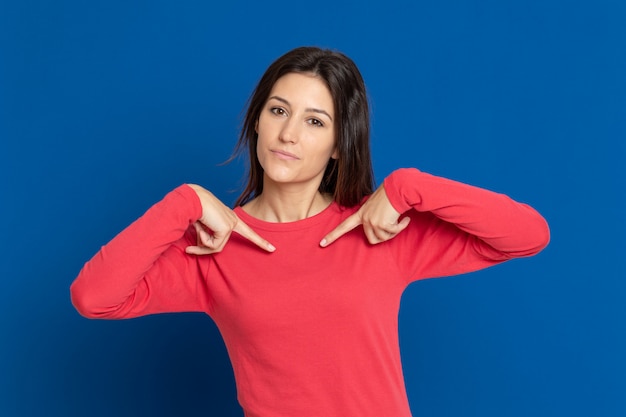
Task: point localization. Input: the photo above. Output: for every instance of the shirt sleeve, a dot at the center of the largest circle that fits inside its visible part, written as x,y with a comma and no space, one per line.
457,228
145,269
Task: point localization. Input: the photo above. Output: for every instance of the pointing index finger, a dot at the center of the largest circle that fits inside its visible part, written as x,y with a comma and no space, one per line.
244,230
343,228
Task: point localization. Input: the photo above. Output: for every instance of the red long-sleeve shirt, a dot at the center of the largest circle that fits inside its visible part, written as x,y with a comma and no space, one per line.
310,331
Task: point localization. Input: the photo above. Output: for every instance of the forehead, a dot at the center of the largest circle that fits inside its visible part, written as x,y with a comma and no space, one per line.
307,90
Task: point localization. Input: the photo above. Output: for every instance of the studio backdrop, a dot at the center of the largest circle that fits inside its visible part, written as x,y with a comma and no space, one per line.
107,106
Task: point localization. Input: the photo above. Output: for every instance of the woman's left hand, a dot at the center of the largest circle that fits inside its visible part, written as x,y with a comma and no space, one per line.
378,217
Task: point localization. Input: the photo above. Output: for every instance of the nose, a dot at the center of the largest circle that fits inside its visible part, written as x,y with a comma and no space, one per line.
289,132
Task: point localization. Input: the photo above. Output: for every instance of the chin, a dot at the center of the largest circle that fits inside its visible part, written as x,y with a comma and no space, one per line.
279,177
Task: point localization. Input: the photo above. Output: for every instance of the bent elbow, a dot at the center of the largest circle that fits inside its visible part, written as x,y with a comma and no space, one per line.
87,303
82,302
537,238
544,239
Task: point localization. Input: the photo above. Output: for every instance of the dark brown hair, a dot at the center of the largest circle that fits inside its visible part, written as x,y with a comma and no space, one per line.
348,178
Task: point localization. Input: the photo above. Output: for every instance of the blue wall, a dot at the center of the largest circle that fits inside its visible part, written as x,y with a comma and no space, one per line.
106,106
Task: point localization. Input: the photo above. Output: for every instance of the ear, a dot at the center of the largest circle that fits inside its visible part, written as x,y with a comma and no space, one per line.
256,126
335,154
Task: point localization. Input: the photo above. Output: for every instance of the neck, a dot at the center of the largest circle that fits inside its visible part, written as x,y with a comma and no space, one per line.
282,204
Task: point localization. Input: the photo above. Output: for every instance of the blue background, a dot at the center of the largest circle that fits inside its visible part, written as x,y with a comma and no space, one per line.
107,105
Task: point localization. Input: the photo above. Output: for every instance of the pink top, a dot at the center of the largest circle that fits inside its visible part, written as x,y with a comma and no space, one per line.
310,331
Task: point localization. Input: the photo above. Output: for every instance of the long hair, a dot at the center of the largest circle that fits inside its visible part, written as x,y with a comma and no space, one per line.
348,178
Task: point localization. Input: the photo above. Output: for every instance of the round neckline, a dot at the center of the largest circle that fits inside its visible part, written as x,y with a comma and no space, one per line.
333,208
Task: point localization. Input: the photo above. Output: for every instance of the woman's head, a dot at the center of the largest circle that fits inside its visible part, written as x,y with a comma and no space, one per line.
349,177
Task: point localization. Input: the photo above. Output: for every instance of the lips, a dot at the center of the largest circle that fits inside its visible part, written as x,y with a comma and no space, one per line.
284,154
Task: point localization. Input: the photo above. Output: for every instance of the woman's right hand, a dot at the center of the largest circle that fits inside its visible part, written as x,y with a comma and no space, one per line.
218,221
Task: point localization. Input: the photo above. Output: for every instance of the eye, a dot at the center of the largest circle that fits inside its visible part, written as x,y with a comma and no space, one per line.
278,111
316,122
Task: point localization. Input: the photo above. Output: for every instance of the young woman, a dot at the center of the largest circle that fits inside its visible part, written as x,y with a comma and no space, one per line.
306,293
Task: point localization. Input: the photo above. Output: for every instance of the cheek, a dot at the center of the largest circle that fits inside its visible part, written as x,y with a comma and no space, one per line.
332,148
259,153
265,130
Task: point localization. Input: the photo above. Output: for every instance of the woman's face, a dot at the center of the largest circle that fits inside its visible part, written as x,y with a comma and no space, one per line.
296,131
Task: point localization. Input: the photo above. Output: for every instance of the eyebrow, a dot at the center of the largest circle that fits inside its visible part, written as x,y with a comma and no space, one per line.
308,109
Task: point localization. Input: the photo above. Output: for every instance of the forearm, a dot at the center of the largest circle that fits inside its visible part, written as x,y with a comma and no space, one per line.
512,228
